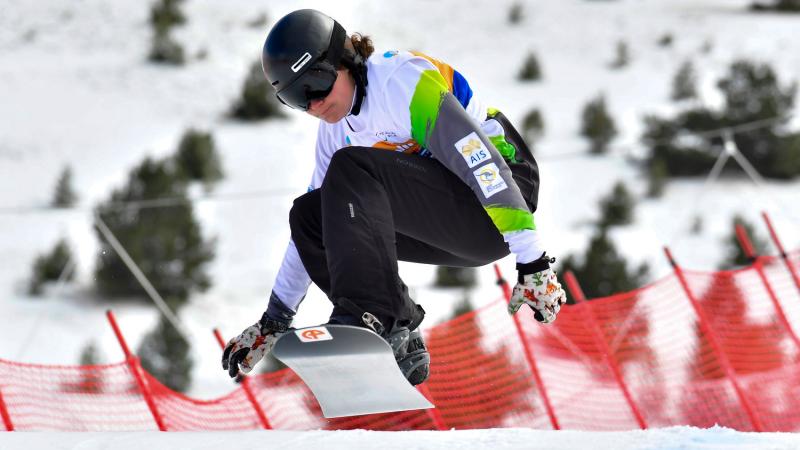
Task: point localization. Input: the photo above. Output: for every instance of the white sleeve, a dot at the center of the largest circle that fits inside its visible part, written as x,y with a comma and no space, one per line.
292,281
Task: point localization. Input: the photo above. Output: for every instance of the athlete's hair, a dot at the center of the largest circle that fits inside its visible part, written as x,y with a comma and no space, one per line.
361,44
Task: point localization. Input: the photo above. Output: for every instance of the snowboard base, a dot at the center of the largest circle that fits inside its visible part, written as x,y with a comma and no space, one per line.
350,370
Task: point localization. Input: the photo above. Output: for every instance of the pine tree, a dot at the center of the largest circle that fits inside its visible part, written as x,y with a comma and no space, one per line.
165,355
533,125
463,306
165,14
598,126
632,348
91,378
455,276
785,164
684,83
623,57
257,100
165,241
783,6
697,225
687,157
165,50
735,256
259,22
197,158
657,178
665,40
753,93
64,196
787,5
515,13
725,306
617,207
602,271
751,346
531,70
50,267
489,372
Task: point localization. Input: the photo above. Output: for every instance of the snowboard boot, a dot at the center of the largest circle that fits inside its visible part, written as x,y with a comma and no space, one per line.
409,349
416,365
408,346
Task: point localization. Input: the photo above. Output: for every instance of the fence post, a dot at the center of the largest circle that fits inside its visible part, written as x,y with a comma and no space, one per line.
136,369
715,345
433,413
577,294
528,353
4,412
758,265
784,256
262,418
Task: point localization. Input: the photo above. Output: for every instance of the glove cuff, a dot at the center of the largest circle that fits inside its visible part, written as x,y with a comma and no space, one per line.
270,326
543,263
277,311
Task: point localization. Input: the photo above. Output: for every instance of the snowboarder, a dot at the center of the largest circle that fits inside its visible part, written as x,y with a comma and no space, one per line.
410,166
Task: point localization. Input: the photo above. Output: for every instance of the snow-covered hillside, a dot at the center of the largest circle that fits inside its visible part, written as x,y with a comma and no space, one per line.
75,89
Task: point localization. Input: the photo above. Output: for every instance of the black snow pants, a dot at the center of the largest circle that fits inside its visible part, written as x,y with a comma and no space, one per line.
376,207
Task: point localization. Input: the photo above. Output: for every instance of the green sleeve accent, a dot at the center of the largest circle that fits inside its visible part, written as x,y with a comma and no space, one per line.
510,219
507,150
425,103
491,112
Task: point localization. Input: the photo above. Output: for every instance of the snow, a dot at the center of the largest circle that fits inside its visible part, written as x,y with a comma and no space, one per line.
509,438
75,88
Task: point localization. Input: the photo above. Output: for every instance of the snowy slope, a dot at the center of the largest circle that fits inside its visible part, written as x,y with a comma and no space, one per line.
75,88
667,438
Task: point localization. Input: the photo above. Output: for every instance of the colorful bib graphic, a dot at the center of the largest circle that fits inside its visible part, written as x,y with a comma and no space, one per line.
409,146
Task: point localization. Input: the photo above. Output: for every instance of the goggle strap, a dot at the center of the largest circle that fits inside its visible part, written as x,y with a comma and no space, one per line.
336,46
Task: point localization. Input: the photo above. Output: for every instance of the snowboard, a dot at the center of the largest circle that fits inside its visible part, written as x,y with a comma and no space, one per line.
350,370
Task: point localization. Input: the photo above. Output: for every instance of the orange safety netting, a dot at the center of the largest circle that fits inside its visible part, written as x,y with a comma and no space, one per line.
691,349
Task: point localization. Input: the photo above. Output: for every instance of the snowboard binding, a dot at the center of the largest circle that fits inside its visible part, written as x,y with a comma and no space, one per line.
408,346
410,352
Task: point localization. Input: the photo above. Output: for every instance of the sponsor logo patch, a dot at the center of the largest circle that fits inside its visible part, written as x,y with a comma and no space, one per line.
386,135
315,334
472,149
489,180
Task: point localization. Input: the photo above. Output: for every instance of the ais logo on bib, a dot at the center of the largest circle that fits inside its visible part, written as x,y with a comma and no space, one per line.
472,149
489,179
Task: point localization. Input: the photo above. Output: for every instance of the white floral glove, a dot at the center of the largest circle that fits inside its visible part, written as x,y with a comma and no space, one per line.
247,349
538,287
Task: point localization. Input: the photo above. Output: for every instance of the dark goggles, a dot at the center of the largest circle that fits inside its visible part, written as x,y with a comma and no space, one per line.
315,83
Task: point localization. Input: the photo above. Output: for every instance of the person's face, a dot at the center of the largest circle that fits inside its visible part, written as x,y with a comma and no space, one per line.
337,104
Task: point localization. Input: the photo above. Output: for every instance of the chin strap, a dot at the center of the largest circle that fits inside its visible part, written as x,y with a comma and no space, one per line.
355,64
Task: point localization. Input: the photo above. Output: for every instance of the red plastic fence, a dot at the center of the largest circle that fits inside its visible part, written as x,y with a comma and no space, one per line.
484,370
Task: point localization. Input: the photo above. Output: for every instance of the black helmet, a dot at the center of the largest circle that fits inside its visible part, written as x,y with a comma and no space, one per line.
301,55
